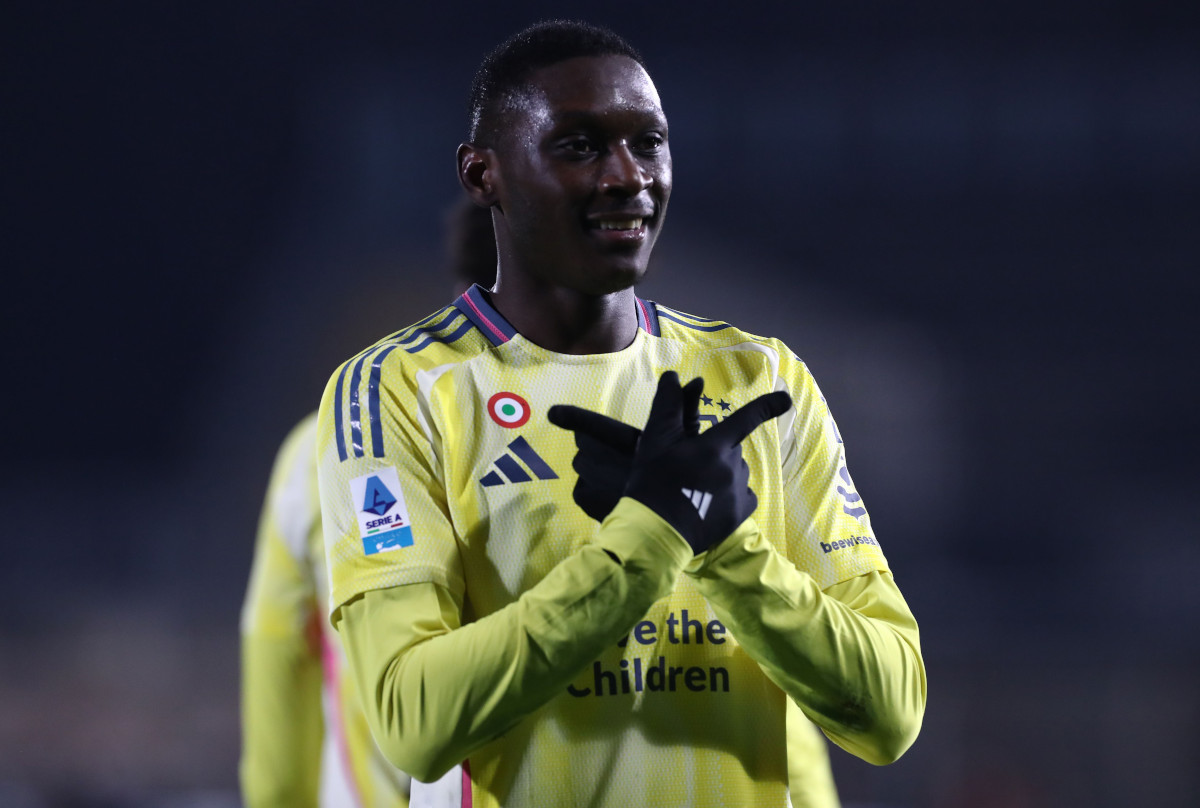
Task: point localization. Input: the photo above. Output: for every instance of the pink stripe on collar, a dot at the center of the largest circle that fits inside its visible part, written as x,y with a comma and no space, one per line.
486,321
645,315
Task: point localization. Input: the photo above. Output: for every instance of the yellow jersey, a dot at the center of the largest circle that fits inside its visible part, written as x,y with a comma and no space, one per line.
446,497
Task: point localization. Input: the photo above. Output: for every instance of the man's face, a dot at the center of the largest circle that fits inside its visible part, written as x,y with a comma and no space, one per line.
584,174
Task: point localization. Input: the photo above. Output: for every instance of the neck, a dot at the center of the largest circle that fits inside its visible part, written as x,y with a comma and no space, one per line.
566,321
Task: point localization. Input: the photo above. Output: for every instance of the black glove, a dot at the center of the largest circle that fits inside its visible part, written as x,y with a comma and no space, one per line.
697,483
605,450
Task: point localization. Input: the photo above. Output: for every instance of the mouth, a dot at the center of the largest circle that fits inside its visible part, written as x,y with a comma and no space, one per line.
621,228
621,224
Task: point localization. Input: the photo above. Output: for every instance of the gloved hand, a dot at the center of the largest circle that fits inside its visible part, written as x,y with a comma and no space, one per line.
605,448
697,483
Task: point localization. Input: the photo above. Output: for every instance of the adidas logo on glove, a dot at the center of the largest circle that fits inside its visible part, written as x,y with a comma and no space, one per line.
701,499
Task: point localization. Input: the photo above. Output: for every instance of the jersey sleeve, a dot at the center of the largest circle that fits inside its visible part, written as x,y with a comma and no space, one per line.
817,608
849,655
442,689
829,531
383,497
282,721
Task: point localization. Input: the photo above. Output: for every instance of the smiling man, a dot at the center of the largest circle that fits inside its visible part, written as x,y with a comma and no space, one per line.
560,576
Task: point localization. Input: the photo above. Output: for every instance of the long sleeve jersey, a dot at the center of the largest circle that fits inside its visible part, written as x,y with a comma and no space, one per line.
563,662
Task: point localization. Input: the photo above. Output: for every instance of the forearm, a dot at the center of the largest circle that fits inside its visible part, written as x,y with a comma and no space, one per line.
849,657
436,691
281,722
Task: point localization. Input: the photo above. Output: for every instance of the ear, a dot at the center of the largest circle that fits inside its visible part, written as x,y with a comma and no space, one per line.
477,174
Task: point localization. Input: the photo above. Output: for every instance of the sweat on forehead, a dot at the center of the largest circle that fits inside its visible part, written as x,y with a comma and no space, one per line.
506,70
587,87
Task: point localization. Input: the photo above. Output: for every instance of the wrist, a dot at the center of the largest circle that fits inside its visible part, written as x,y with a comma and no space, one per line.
667,502
640,537
726,551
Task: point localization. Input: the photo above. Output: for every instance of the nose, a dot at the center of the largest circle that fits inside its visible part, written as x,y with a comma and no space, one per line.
623,174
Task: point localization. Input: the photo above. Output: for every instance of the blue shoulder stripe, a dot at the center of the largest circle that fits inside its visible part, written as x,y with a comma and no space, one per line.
373,401
430,318
355,408
424,327
373,381
668,314
445,339
380,350
689,317
337,414
338,426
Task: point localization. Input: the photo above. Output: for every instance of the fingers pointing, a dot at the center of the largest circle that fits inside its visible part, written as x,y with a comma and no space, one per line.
675,409
619,435
746,419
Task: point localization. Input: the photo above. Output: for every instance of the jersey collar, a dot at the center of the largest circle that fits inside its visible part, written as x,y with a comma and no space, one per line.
492,325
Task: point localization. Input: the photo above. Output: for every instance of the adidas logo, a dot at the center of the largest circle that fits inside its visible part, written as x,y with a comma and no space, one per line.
514,471
701,499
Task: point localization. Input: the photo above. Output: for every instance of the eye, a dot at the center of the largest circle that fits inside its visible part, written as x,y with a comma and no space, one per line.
651,143
578,146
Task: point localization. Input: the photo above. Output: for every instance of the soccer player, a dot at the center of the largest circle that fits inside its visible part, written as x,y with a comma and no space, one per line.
587,546
305,740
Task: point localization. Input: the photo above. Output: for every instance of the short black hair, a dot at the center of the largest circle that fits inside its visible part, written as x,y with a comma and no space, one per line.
540,45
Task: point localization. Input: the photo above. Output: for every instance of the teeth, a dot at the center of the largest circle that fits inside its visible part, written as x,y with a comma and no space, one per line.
628,224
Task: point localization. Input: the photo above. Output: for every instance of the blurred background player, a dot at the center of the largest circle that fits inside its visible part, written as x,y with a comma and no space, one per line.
305,741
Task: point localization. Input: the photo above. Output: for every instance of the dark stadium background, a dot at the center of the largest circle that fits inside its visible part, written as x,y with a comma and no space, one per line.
978,224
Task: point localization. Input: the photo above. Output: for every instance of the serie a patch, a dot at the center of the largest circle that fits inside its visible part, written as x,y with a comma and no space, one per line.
383,519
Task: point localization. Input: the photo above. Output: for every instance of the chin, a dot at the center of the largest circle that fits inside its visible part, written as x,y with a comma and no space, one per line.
617,279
